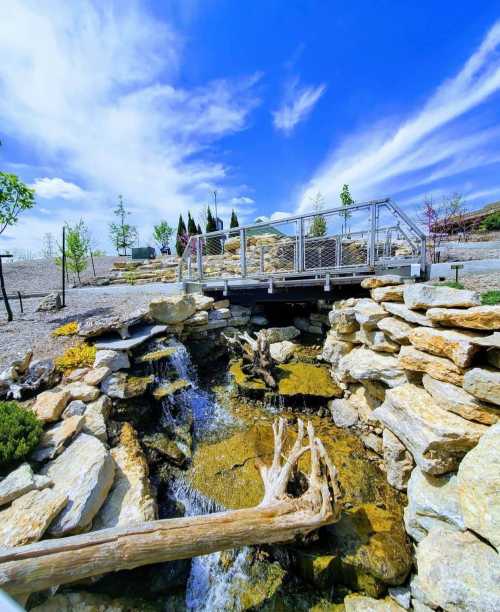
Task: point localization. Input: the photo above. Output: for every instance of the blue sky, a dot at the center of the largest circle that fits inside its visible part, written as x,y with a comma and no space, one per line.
265,101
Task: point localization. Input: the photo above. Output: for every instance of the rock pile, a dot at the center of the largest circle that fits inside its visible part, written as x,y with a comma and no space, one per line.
419,368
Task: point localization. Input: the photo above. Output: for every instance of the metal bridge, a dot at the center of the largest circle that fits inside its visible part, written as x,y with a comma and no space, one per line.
318,249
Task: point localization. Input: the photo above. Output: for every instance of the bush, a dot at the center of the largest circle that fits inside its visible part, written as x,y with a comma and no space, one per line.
20,432
79,356
491,223
490,298
70,329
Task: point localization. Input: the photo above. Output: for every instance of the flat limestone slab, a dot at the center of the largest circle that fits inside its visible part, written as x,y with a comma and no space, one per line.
421,296
411,316
84,474
483,383
397,329
27,519
55,438
436,438
457,346
138,337
437,367
479,317
364,364
20,481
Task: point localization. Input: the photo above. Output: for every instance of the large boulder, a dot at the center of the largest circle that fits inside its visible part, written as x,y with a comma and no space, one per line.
55,438
84,474
282,351
436,438
419,296
392,293
458,572
334,349
397,460
343,320
173,309
27,518
278,334
437,367
363,364
479,487
483,383
396,329
130,500
20,481
432,502
479,317
457,400
49,405
114,360
457,346
410,316
368,313
381,281
50,302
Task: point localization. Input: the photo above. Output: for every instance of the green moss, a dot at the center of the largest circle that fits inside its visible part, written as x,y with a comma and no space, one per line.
81,355
20,432
170,389
490,298
137,385
155,356
306,380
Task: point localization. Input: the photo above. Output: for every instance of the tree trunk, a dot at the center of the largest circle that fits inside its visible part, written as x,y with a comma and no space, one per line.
278,518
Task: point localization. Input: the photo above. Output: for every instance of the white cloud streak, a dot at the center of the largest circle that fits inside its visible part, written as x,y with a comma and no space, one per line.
297,105
57,188
91,87
379,158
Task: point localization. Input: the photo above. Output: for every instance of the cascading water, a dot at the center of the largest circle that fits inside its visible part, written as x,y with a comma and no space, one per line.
209,585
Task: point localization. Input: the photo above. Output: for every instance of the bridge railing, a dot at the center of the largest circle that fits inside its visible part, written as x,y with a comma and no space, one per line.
367,236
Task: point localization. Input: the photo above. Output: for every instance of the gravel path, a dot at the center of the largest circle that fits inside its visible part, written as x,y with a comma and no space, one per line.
42,275
33,329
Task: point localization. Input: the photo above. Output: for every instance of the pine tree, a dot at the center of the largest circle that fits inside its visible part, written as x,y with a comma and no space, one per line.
234,220
198,230
211,227
191,226
213,244
181,233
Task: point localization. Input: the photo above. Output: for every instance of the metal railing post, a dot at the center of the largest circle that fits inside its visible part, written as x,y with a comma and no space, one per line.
243,252
300,245
190,265
199,257
338,251
261,262
373,232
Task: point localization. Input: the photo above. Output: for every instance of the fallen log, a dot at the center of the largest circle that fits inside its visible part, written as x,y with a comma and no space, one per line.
278,518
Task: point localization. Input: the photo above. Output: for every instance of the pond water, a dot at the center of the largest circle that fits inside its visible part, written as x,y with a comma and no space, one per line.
365,551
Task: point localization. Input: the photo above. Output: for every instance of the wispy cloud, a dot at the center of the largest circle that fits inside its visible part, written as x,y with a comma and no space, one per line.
296,106
103,106
435,142
57,188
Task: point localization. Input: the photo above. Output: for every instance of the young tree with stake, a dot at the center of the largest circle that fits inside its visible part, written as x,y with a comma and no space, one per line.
346,201
123,235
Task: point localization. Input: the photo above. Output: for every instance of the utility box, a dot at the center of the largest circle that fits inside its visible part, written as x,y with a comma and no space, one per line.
143,253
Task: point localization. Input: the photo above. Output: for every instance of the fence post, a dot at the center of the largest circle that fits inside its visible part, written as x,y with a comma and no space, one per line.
243,252
64,266
199,257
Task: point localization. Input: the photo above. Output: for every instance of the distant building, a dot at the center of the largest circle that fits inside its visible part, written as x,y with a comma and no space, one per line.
267,229
468,221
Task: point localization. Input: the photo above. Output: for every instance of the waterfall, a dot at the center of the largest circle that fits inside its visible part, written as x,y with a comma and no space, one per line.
210,585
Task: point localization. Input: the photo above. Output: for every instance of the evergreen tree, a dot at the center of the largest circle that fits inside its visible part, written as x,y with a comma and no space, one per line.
234,220
213,244
181,234
198,230
191,227
318,226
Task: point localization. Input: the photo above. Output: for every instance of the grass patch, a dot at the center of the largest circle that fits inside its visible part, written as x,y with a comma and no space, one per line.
452,285
490,298
70,329
20,432
79,356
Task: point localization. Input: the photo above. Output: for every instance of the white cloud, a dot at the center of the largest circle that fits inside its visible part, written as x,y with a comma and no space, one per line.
297,104
242,200
381,158
103,104
57,188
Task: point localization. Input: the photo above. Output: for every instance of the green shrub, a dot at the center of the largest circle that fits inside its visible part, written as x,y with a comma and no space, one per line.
491,223
20,432
452,285
490,298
